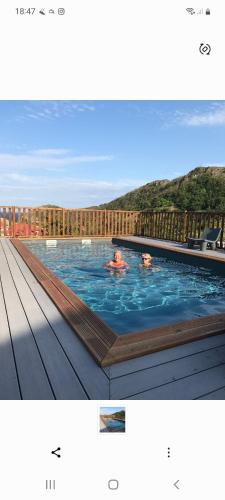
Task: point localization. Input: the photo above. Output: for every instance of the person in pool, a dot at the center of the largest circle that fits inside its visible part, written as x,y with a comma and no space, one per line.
117,262
146,262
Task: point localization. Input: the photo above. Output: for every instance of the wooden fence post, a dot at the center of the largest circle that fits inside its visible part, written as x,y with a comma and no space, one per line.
63,222
185,226
4,221
13,222
140,224
222,232
105,222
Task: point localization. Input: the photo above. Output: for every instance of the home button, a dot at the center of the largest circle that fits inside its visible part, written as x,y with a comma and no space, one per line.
113,484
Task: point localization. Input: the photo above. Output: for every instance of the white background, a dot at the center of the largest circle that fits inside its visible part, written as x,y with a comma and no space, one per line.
138,458
104,49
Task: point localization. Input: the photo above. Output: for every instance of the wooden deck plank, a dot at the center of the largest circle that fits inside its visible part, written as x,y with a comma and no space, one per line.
92,376
161,357
60,372
9,387
188,388
32,377
138,382
219,394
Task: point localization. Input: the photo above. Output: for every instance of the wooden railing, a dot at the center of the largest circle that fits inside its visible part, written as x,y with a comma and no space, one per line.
177,226
27,222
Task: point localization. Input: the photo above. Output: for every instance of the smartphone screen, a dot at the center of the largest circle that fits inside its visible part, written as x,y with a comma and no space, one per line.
112,261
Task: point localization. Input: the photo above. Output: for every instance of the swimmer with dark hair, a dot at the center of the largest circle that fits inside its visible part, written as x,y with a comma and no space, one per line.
117,263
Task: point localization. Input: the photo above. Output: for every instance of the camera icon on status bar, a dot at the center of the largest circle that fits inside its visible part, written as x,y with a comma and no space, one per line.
61,11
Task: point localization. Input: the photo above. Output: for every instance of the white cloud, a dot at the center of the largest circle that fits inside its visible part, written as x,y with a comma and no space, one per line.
52,110
50,152
28,177
215,115
47,182
68,192
48,159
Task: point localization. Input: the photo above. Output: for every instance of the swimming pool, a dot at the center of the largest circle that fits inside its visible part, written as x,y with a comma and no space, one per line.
137,299
113,425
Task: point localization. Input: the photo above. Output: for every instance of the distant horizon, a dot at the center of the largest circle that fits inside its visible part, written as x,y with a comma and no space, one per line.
78,154
109,410
90,207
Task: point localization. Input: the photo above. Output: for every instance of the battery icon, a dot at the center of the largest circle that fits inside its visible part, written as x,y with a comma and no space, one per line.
208,12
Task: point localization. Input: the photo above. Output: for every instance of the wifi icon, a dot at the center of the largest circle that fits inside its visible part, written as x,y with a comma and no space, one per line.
190,11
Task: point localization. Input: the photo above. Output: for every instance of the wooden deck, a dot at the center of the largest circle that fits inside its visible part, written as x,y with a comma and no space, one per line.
42,358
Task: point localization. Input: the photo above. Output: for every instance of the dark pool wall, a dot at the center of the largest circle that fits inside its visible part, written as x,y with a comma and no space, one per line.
210,263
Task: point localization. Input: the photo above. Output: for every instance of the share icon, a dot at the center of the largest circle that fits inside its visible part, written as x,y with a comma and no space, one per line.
54,452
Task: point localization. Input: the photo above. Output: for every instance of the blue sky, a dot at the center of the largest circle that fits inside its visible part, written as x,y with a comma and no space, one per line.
83,153
108,410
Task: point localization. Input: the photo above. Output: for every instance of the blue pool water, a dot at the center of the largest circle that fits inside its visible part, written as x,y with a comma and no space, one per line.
115,425
138,298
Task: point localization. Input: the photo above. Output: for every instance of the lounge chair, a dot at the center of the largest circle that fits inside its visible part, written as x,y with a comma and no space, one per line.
208,239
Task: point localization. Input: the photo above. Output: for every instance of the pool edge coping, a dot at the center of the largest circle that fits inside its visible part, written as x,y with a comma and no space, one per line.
105,345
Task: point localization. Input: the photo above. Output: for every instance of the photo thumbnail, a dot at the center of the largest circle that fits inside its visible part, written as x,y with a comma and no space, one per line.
112,419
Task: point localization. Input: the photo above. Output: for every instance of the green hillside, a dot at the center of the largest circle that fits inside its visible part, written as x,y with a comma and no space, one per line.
201,189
